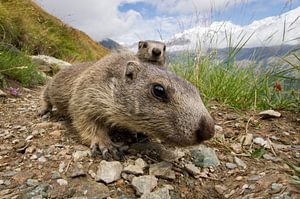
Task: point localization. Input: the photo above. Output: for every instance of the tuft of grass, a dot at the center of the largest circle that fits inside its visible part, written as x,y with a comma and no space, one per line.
245,86
16,65
30,29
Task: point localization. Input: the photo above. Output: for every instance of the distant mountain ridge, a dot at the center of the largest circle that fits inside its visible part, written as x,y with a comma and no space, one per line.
270,31
111,44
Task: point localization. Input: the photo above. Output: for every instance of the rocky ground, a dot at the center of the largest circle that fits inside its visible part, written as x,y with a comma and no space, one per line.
43,158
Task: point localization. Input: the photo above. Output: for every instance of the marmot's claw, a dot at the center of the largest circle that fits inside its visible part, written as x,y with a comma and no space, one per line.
95,150
112,153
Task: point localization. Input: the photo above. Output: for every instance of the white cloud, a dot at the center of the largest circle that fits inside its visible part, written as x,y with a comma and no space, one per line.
193,6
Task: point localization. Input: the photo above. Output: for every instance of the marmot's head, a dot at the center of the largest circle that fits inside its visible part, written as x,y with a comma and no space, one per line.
152,51
160,104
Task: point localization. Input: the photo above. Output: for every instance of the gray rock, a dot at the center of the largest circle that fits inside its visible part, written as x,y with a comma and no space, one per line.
61,167
77,171
276,187
144,184
32,182
62,182
163,170
272,158
109,171
55,175
9,174
93,190
269,114
42,159
39,190
218,128
284,195
220,189
162,193
134,169
2,93
230,165
192,169
141,163
254,178
49,61
78,155
240,162
260,141
204,157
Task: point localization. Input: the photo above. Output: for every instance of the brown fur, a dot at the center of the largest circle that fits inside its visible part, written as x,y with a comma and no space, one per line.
118,91
153,52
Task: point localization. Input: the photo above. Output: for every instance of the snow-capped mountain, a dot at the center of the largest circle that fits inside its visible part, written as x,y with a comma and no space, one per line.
270,31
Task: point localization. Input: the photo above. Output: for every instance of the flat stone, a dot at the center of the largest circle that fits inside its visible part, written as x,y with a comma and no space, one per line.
144,184
240,162
218,128
276,187
109,171
230,165
42,159
204,157
269,114
77,171
30,149
162,193
140,162
220,189
39,190
93,190
61,167
55,175
254,178
32,182
192,169
237,147
133,169
262,142
163,170
2,93
62,182
78,155
272,158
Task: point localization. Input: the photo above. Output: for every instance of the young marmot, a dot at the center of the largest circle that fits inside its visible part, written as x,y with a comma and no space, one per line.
121,91
153,52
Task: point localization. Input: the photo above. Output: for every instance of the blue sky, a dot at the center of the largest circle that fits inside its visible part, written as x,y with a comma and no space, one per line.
241,14
128,21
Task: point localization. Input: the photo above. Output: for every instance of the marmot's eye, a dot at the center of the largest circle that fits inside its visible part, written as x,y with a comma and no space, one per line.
145,45
159,92
164,47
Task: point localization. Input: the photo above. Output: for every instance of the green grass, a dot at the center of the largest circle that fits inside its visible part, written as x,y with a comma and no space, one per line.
242,87
17,66
29,28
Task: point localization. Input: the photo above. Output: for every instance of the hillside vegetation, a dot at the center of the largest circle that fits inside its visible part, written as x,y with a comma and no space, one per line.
26,29
247,85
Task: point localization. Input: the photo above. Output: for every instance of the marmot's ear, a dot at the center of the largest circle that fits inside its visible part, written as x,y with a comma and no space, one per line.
132,70
141,43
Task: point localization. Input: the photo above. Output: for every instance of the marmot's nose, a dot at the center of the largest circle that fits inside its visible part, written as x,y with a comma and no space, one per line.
206,129
156,51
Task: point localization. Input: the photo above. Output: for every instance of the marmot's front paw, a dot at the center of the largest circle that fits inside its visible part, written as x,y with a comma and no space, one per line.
108,152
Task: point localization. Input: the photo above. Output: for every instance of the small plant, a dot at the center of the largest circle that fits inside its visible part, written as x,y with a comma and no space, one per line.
295,180
17,66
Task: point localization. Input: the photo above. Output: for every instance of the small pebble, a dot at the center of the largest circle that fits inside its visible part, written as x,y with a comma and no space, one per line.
42,159
62,182
231,165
